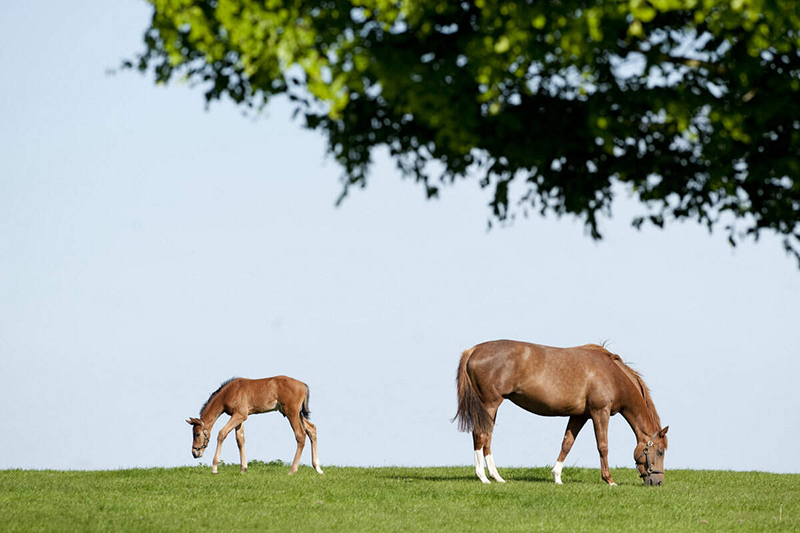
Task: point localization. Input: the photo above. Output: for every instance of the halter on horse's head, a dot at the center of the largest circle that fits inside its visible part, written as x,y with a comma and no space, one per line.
650,461
199,436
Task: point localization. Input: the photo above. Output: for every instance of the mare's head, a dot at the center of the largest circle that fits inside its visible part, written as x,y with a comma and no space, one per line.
199,437
649,457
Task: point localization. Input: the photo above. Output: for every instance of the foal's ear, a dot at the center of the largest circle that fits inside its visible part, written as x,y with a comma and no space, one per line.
192,421
663,432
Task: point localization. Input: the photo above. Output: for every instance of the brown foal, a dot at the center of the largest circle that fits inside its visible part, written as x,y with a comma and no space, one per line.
585,382
240,398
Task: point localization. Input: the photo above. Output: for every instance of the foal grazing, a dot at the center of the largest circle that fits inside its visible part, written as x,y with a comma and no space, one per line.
239,398
585,382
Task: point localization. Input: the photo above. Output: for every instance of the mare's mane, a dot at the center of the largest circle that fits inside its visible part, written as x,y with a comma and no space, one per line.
637,380
222,386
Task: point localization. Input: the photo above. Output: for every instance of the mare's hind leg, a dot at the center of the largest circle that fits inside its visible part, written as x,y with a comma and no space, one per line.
573,428
299,435
600,421
487,454
311,431
235,420
482,444
240,443
479,441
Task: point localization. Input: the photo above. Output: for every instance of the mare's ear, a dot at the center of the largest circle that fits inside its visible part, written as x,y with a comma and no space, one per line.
663,432
191,421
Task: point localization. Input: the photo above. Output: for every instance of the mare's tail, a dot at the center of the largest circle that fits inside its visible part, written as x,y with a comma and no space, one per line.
304,412
471,414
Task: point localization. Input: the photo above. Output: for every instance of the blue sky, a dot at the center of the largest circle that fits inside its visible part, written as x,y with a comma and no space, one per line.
151,249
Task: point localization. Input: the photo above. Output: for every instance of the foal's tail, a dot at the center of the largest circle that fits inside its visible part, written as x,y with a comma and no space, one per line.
304,412
471,414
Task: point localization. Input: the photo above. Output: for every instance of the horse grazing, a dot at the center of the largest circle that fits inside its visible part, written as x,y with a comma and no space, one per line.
240,398
582,383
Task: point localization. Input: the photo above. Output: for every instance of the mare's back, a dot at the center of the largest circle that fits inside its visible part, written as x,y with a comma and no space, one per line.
515,363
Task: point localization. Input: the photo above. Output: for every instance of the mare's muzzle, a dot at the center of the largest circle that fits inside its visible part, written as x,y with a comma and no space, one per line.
654,480
650,476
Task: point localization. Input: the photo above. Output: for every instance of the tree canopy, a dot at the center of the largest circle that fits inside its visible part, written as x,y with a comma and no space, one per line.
692,105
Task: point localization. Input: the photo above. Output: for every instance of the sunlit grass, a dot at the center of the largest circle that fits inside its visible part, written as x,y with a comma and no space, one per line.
393,499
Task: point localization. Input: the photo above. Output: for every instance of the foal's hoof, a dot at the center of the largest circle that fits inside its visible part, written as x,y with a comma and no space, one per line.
243,470
319,470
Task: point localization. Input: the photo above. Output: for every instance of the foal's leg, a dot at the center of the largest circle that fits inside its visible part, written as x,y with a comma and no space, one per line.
240,443
299,435
573,428
311,431
600,421
235,420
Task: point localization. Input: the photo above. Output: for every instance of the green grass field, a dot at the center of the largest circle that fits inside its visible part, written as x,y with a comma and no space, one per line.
393,499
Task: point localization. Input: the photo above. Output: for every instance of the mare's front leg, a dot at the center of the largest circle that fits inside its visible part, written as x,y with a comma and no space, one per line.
600,421
573,428
235,420
240,443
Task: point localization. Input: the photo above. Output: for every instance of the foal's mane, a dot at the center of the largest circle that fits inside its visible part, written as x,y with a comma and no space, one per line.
222,386
637,380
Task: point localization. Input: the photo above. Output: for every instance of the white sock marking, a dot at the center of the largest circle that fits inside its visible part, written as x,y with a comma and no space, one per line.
493,469
479,466
557,472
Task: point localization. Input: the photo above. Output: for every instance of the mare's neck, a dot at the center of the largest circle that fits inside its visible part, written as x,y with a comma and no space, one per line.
638,418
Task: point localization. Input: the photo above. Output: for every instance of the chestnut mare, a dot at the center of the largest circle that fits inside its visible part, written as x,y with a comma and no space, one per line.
239,398
582,383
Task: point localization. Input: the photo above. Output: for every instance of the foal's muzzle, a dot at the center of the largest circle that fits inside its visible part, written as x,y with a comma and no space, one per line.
197,451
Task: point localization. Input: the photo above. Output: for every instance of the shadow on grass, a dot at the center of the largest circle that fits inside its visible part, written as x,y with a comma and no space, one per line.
582,477
469,476
422,476
535,478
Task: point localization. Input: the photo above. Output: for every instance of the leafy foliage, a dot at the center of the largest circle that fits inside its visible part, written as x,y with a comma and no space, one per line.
693,105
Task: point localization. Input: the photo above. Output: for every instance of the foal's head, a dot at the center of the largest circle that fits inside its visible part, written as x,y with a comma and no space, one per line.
199,437
649,457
